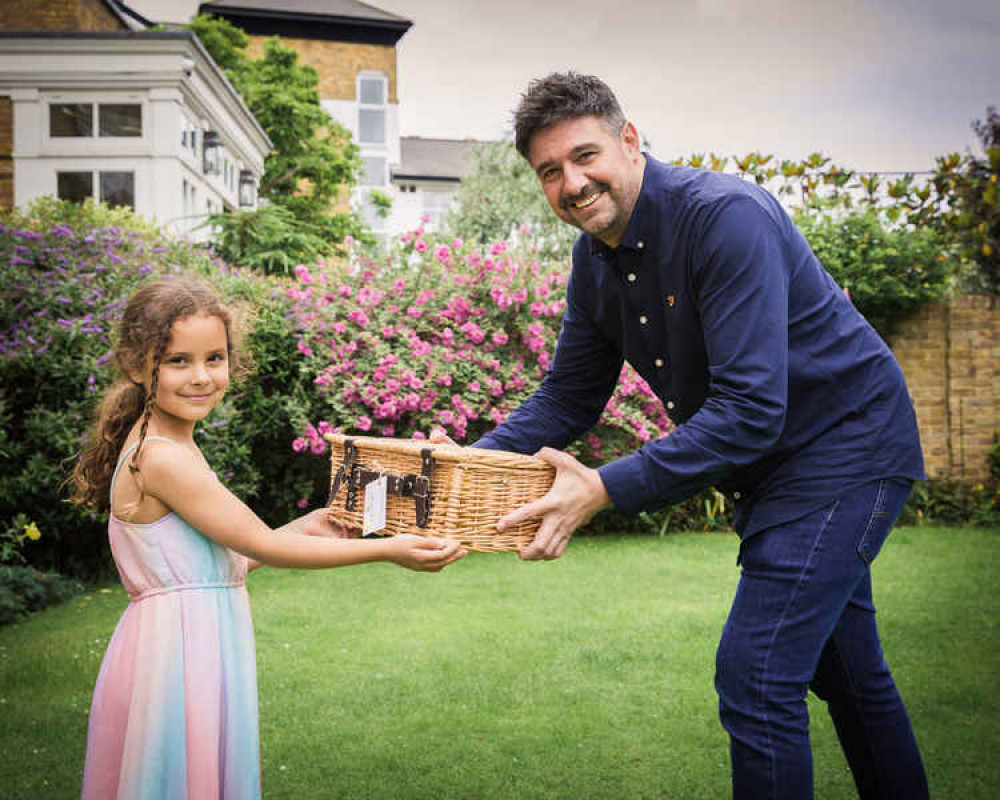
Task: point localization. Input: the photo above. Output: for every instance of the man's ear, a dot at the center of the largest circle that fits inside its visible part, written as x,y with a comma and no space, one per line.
630,139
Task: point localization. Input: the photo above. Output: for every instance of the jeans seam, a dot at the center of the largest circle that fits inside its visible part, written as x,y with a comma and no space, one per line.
770,649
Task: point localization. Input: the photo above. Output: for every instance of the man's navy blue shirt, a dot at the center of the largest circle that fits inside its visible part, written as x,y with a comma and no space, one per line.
783,396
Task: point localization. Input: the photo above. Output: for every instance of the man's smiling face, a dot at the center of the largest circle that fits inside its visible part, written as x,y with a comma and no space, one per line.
590,175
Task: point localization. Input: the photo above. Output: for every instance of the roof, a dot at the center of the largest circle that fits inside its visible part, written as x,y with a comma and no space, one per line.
312,8
434,159
129,17
337,20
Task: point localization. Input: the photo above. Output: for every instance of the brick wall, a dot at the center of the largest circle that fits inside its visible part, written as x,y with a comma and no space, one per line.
951,357
6,148
338,63
57,15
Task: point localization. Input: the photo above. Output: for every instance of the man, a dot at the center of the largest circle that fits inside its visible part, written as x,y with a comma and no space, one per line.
783,397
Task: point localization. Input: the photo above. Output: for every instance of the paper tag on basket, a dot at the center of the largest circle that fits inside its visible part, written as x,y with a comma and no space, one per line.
374,518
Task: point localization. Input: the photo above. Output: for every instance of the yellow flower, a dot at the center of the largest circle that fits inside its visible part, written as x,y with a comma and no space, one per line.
31,532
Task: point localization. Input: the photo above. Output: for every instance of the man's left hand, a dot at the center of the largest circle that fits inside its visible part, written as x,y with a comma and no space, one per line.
576,495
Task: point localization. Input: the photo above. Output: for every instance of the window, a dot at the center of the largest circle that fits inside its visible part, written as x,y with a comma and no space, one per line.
120,119
436,206
118,188
187,198
114,188
371,109
75,186
189,135
374,171
77,119
71,119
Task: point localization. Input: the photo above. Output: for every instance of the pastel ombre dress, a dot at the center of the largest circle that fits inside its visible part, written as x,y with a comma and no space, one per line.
174,713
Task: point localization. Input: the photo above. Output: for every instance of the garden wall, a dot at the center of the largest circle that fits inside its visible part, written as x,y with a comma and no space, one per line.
951,357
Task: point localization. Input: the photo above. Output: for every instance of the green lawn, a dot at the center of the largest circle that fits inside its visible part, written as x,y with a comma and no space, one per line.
587,677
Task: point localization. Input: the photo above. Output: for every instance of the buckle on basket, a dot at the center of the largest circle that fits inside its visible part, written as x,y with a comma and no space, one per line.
345,469
416,486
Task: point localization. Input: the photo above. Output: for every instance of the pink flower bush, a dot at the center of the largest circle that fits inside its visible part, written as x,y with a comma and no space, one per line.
444,334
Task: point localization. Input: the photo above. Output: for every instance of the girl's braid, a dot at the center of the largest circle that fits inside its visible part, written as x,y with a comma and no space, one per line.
147,412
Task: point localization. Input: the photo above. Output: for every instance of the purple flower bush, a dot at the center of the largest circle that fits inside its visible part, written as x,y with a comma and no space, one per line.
443,334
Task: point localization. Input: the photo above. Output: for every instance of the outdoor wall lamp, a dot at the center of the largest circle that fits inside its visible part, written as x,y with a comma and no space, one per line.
248,189
211,149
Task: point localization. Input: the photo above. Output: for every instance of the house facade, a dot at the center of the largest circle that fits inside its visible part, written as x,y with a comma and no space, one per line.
143,119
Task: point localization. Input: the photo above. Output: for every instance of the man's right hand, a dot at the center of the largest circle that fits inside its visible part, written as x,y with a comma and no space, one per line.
576,495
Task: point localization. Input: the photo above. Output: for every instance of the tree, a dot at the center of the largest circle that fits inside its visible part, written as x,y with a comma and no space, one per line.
966,208
313,160
499,195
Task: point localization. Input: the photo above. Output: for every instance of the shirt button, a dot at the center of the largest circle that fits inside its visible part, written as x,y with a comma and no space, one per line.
631,277
640,244
643,319
737,495
659,362
670,405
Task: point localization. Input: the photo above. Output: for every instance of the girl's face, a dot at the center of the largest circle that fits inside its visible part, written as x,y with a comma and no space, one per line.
194,372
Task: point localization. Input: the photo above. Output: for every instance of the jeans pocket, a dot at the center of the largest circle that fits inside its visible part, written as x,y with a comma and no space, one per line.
884,512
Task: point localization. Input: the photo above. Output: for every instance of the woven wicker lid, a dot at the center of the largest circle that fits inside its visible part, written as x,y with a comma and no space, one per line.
500,459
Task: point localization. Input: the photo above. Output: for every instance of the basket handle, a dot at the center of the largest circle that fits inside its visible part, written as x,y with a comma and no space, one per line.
358,476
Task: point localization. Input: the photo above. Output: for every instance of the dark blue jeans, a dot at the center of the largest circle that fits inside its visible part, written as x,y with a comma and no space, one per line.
802,619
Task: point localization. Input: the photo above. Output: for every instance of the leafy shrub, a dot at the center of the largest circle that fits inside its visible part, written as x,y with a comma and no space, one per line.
25,589
65,288
888,272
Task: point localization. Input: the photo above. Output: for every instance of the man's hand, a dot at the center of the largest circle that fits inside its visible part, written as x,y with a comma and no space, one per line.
576,495
438,436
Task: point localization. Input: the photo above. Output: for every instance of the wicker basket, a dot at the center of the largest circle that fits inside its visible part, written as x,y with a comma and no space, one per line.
438,489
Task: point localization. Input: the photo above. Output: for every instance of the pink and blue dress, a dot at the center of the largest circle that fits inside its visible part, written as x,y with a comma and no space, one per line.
174,714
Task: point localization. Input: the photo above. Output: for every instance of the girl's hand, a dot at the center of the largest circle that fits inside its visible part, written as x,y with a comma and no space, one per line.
318,523
424,553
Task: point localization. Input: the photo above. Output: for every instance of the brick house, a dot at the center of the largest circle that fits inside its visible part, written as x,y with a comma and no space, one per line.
352,46
93,105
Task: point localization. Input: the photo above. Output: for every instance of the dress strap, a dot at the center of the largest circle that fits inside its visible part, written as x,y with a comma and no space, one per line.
125,455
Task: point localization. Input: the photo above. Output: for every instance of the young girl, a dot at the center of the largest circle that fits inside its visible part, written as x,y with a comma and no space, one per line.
174,713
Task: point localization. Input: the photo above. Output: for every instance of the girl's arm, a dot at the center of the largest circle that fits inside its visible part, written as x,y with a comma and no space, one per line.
184,483
316,523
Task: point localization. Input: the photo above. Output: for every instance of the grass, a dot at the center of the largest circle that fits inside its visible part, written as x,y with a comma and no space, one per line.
587,677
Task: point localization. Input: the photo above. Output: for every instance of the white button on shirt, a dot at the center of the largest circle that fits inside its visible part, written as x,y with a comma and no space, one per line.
643,319
670,404
736,495
631,277
659,362
640,244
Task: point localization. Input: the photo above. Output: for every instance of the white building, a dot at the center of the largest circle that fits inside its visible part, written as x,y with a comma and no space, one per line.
139,119
425,179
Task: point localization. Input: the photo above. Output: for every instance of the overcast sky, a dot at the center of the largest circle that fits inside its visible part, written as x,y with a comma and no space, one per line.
874,84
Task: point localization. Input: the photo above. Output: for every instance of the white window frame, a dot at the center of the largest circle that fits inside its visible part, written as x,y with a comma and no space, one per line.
382,107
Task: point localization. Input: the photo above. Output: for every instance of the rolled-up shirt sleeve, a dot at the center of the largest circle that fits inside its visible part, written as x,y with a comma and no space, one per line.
741,281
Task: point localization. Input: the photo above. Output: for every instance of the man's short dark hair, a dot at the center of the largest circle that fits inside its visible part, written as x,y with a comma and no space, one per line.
560,96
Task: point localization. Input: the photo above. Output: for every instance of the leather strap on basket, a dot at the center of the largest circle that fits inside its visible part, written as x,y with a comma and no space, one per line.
416,486
345,469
